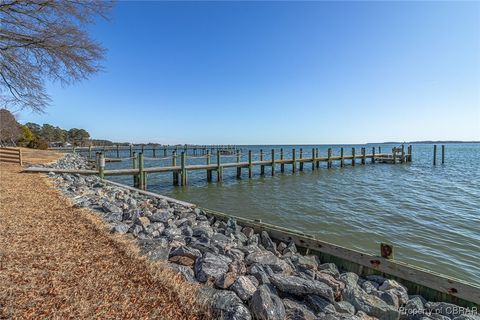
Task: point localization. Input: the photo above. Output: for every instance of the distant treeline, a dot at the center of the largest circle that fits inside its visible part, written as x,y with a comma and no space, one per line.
37,136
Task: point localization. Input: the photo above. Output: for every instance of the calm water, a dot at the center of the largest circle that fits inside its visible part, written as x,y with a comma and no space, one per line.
430,214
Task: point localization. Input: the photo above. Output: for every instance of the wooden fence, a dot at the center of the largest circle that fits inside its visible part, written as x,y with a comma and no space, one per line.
11,155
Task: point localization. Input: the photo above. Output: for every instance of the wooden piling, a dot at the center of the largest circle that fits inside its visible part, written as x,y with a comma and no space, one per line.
219,167
342,160
89,152
164,152
301,157
294,160
118,151
101,166
443,153
380,150
183,162
141,172
363,155
410,153
329,156
134,166
434,154
209,171
402,160
313,159
250,166
273,162
154,152
131,151
174,164
316,156
353,157
262,167
282,165
239,169
373,154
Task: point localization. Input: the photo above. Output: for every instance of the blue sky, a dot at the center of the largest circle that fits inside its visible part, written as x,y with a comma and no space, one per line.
280,73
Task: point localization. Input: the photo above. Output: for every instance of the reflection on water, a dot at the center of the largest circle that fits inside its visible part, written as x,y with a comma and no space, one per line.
430,214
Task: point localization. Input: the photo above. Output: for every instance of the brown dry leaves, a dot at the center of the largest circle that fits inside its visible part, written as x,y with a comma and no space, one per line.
58,261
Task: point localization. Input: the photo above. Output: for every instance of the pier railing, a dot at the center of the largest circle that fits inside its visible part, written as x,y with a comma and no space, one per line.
277,159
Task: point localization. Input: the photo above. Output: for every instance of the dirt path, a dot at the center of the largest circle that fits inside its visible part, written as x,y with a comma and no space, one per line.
58,261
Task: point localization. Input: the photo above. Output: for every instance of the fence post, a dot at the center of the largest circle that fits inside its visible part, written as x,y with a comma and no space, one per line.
101,166
273,162
219,167
239,169
184,169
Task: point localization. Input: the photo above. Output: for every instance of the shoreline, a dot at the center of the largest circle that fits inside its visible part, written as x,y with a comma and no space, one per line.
245,273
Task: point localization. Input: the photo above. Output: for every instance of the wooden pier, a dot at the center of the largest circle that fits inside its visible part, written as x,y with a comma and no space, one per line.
180,170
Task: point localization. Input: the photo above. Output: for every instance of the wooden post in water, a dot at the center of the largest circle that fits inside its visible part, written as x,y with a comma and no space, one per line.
380,150
89,152
316,156
273,162
402,160
434,154
141,173
239,170
131,151
165,152
195,152
250,167
329,155
443,153
410,153
262,167
143,148
353,157
153,151
134,166
373,154
174,164
118,151
183,162
209,171
294,160
219,167
363,155
301,157
394,153
342,160
101,166
282,166
313,159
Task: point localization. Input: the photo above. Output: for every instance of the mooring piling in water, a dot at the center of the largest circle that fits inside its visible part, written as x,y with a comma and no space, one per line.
434,154
443,153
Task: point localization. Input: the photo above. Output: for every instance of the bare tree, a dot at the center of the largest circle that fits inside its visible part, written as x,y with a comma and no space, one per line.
45,39
10,130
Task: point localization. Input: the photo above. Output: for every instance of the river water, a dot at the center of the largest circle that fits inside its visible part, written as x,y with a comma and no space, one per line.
431,214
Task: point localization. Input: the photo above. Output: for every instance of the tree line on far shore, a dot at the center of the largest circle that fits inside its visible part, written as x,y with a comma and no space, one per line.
37,136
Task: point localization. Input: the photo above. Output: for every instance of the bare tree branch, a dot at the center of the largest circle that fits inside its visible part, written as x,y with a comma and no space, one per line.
42,40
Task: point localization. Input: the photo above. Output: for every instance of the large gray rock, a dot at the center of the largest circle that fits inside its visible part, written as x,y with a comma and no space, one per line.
111,208
160,216
267,243
202,231
329,268
224,305
211,266
305,262
295,310
370,304
319,304
244,288
267,258
413,309
185,271
266,305
120,228
185,251
155,249
395,288
301,287
344,307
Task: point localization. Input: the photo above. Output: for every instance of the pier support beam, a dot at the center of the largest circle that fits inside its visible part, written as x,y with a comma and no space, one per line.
239,170
183,162
273,162
262,167
329,161
209,171
282,165
294,160
353,157
313,159
434,154
342,160
443,153
250,166
174,164
301,157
